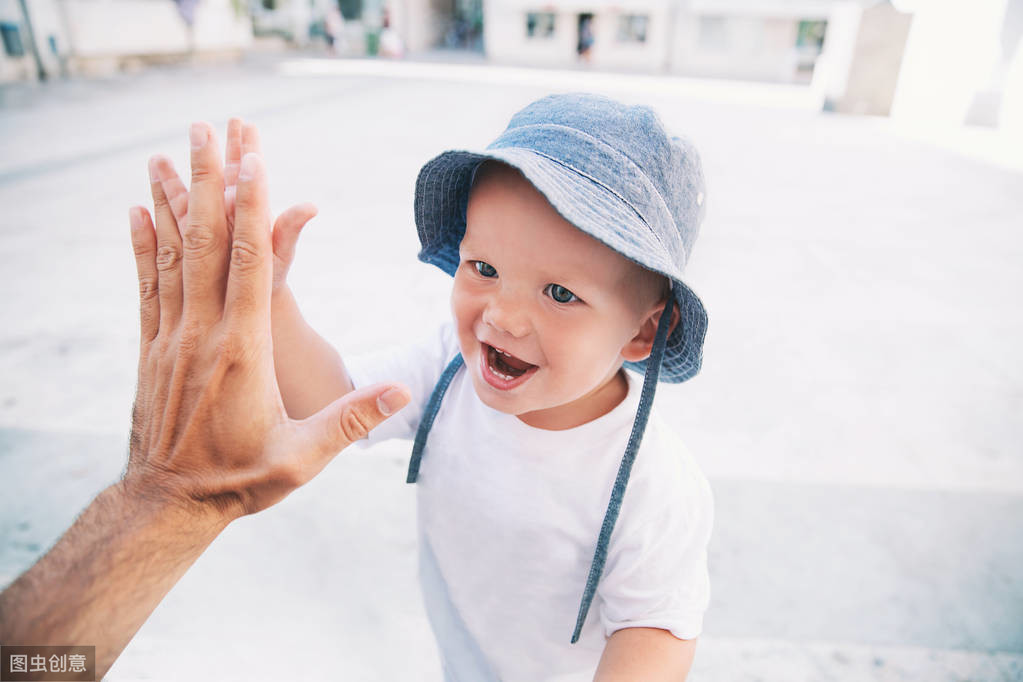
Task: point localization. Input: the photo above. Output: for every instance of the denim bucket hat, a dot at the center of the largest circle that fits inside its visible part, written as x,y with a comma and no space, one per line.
615,173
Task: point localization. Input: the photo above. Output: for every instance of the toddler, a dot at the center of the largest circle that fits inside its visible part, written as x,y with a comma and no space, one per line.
566,239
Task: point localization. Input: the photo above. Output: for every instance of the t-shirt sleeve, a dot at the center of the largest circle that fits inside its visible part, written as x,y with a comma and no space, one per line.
656,570
418,364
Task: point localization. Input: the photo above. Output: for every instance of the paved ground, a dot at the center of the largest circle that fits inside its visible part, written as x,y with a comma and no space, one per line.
858,415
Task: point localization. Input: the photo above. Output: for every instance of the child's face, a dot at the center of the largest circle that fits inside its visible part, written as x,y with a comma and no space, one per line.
535,286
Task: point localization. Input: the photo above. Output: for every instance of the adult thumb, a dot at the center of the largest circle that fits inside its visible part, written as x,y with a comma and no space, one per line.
351,417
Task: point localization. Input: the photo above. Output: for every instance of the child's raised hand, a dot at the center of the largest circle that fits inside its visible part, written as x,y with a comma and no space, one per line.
242,139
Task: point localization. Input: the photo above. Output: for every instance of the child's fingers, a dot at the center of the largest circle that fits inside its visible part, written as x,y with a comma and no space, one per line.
233,153
247,305
232,160
249,144
250,140
230,195
168,247
143,243
287,228
175,191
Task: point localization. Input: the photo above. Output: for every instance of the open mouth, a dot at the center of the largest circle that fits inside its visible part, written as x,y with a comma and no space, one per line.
503,370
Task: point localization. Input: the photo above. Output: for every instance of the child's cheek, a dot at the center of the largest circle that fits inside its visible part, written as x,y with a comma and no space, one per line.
462,308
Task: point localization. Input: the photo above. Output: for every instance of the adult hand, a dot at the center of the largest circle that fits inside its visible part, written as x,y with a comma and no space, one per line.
209,428
210,439
242,138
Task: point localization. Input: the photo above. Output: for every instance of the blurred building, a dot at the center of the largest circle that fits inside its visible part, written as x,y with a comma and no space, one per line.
859,69
929,63
963,64
772,40
932,65
43,38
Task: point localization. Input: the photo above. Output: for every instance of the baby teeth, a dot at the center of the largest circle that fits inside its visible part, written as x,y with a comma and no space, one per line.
493,369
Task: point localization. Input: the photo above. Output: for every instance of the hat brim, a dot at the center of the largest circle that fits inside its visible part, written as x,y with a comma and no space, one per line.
442,196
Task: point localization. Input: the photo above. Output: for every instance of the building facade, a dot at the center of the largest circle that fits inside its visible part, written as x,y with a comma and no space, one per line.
47,38
772,40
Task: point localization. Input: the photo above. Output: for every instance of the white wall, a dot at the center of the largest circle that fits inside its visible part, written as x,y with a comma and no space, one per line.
754,48
46,22
505,36
151,27
762,8
1011,121
505,39
420,23
91,32
651,54
831,73
950,54
15,68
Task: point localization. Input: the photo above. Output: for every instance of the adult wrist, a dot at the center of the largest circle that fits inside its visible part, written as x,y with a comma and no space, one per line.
162,503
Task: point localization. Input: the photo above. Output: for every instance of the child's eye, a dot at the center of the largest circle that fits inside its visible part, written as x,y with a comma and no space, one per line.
561,294
485,269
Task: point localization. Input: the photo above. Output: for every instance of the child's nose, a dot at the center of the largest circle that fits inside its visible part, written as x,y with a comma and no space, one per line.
506,317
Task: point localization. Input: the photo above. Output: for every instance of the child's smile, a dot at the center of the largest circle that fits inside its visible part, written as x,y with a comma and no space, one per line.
545,314
502,370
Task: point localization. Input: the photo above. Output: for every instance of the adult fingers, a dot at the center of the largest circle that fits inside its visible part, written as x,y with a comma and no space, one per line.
168,248
205,237
143,243
348,419
247,306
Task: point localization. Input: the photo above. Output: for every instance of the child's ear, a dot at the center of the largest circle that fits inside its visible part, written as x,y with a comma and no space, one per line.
638,348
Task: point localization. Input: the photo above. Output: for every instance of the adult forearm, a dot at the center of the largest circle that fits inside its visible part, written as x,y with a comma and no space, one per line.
107,574
309,370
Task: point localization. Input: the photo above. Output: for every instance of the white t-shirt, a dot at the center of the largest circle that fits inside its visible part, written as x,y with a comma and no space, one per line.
508,519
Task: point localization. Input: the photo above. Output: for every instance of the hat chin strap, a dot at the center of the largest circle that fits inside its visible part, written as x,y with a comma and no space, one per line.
646,398
429,414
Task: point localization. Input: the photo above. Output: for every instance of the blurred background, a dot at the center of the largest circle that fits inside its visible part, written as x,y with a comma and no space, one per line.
860,410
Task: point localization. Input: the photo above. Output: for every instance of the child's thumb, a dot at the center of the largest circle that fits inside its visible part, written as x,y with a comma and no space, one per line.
351,417
287,228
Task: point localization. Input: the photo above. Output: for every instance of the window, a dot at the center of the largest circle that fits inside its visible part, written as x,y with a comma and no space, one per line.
811,35
714,33
809,43
540,24
632,28
350,9
12,39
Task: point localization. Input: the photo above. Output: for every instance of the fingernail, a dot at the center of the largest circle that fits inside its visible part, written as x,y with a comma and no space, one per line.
248,168
199,135
134,218
392,400
154,175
